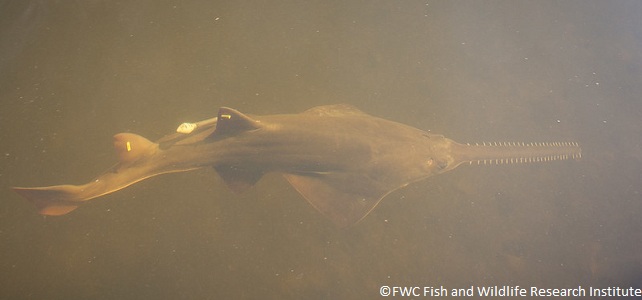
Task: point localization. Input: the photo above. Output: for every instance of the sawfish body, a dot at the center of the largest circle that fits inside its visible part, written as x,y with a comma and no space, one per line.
343,161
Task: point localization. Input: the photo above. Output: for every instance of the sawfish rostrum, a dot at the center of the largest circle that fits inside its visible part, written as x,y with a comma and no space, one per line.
343,161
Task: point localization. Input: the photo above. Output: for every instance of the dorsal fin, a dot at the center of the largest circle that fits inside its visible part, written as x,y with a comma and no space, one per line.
335,110
131,147
231,122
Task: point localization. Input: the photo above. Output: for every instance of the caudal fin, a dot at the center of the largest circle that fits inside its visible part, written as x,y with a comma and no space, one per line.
51,200
61,199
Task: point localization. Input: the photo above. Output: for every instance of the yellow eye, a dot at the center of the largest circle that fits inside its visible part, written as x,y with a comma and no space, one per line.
129,147
226,116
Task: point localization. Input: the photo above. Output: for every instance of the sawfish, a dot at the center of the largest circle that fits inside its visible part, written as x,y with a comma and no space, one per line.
340,159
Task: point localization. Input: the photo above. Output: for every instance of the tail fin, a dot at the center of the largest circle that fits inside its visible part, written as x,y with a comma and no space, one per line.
51,200
61,199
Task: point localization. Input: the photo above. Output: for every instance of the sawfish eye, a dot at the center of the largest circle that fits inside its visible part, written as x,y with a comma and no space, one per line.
430,162
440,164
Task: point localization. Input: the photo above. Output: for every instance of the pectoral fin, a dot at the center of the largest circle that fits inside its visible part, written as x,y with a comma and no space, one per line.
334,197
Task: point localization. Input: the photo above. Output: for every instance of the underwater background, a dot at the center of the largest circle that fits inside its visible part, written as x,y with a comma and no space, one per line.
74,73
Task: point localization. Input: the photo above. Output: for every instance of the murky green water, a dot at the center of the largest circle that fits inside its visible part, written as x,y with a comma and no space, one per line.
72,74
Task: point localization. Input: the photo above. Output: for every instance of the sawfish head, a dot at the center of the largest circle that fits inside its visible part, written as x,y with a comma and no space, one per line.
346,198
